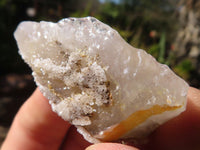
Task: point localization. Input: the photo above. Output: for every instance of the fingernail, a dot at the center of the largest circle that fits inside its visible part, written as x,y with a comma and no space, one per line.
90,148
110,146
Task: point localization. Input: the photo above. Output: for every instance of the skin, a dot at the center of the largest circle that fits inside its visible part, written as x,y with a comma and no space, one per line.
36,127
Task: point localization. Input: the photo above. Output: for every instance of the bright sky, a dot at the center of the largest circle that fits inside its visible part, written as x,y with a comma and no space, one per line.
115,1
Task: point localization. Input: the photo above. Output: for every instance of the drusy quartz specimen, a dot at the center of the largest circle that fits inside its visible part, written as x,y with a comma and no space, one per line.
95,80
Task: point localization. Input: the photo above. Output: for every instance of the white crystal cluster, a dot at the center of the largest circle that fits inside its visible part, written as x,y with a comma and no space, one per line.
95,80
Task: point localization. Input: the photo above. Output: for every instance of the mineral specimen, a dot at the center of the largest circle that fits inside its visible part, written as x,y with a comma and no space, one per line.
95,80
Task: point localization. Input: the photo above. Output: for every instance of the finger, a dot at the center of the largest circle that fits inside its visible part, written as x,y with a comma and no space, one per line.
110,146
74,140
36,126
182,132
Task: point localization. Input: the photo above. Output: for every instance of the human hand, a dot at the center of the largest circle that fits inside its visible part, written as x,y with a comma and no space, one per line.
37,127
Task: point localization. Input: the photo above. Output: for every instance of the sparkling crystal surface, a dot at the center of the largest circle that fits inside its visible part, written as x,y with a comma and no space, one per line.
95,80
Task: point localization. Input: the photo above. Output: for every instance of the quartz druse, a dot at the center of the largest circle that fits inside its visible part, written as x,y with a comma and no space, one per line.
95,80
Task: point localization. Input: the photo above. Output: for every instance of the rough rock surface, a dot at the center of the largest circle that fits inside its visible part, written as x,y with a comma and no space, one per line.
97,81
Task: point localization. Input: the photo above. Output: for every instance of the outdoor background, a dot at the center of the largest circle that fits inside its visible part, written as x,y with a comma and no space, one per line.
167,29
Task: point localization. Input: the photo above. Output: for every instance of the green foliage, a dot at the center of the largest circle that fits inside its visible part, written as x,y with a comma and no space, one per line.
158,50
154,50
85,12
184,68
162,45
3,3
110,10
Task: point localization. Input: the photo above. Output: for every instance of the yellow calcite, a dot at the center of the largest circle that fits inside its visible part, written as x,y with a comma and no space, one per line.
115,132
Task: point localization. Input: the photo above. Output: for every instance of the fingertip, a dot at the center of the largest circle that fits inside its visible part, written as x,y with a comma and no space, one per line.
110,146
194,97
36,126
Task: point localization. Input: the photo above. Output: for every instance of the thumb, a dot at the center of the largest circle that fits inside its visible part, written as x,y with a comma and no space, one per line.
110,146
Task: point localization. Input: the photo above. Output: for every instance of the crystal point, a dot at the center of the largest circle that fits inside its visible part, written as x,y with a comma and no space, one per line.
98,82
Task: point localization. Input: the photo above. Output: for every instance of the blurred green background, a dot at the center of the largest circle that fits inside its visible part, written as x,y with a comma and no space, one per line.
167,29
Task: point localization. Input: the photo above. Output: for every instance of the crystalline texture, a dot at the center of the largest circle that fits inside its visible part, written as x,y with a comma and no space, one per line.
97,81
